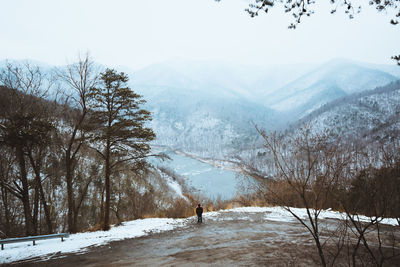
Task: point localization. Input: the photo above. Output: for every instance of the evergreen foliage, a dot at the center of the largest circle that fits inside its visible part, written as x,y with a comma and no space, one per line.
120,135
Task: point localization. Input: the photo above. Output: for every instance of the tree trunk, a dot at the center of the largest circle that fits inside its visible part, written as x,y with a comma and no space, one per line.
320,252
38,181
102,206
36,207
78,203
25,191
4,196
70,193
46,210
106,223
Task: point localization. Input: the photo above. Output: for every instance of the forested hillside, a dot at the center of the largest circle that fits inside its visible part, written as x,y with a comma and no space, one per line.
370,114
210,108
65,164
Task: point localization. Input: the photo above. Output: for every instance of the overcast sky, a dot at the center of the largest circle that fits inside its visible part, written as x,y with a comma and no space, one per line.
136,33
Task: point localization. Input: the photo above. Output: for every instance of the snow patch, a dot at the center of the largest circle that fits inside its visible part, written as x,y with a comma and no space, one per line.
80,241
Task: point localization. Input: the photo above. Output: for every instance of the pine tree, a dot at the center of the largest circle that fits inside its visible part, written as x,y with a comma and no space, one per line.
120,136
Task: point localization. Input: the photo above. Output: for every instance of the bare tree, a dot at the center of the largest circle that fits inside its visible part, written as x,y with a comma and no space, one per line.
23,126
7,163
307,169
304,8
78,79
375,194
315,170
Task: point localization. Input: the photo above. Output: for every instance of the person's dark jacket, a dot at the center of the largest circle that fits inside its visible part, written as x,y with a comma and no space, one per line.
199,211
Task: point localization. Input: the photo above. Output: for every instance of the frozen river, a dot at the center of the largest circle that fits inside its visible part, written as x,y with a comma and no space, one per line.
211,181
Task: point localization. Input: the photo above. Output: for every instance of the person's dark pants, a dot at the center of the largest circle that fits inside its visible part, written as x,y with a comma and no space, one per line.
199,218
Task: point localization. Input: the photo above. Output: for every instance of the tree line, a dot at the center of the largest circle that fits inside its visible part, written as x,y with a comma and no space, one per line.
73,146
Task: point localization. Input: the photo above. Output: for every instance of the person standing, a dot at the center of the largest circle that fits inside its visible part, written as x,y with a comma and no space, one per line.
199,212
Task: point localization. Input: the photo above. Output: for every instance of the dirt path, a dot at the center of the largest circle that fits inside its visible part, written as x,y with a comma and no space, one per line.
228,239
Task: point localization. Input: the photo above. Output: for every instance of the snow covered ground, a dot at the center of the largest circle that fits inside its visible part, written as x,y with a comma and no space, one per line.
78,243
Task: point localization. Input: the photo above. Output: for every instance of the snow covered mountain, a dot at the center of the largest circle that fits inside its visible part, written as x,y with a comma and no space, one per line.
227,79
209,107
326,83
373,114
206,123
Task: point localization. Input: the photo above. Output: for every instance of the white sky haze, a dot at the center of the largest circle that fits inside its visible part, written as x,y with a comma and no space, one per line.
136,33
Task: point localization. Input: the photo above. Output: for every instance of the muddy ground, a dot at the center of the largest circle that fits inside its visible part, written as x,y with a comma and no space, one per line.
229,239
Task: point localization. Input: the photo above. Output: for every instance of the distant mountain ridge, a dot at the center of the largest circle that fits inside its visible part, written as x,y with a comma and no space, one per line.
210,108
232,80
327,82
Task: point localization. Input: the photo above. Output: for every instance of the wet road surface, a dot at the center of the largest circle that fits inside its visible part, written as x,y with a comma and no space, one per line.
228,239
